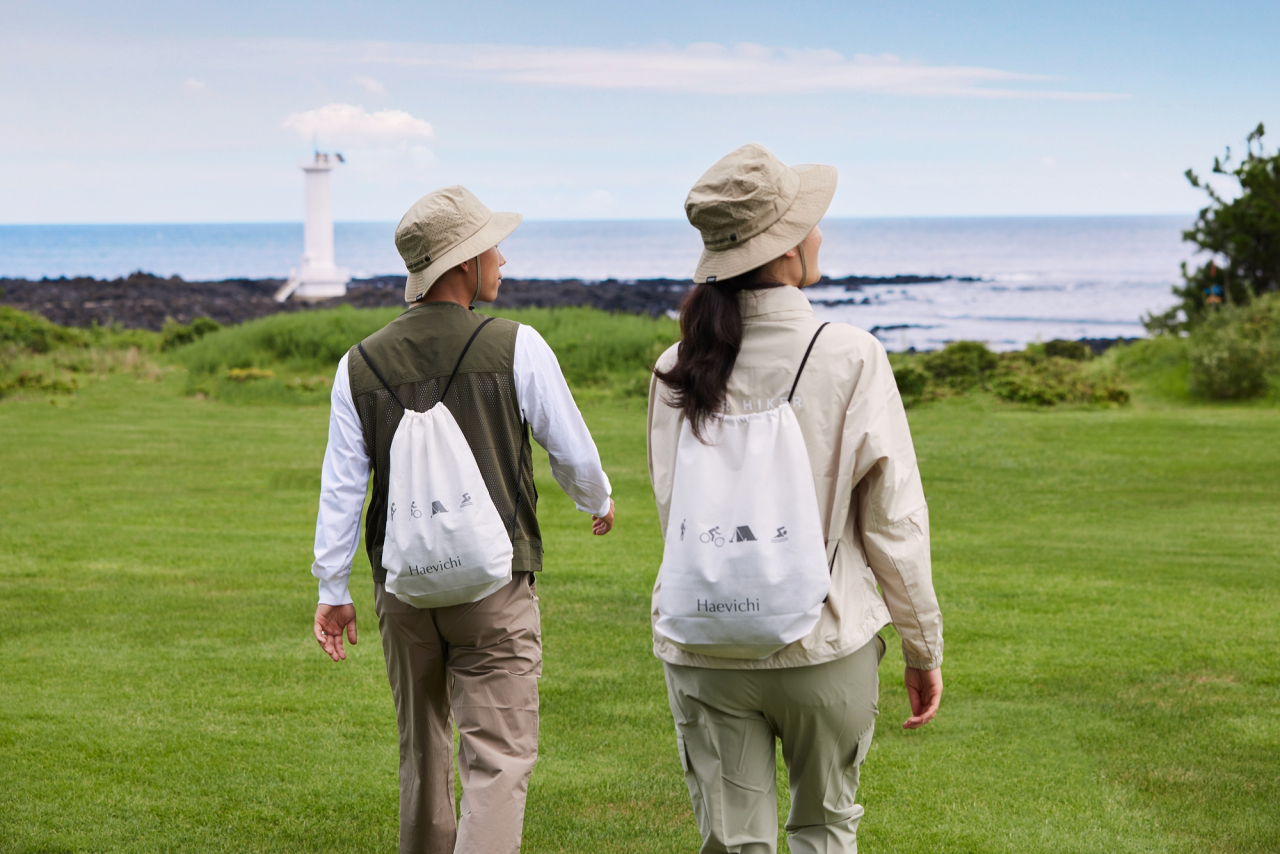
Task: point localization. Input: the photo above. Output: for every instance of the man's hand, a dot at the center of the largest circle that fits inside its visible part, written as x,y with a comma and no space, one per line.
924,688
601,525
330,621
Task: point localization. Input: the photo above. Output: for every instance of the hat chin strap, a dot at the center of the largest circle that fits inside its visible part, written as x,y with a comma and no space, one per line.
804,268
478,281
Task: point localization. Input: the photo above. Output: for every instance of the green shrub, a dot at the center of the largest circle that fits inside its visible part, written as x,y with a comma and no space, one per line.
1028,377
1235,351
301,342
1226,365
38,356
1239,236
961,365
32,332
1158,365
1042,374
174,334
912,381
1077,351
35,334
37,381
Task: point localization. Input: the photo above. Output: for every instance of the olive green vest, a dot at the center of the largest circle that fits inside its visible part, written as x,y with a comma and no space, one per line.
415,353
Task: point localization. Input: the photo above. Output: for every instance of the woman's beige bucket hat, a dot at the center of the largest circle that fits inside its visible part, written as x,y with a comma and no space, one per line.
444,228
751,208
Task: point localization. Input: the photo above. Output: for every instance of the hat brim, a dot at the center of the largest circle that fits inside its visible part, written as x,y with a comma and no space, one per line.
493,232
817,188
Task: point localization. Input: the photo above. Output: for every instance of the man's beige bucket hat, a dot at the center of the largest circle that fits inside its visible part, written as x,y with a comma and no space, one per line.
444,228
751,208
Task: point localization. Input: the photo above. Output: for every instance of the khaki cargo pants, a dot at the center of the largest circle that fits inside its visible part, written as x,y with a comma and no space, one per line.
726,723
480,661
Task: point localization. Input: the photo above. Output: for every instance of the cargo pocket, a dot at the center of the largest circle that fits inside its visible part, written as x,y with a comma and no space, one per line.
684,754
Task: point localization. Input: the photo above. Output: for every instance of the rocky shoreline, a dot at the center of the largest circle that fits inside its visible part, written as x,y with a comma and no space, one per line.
145,301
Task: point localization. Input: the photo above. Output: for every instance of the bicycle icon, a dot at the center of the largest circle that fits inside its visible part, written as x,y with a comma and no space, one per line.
414,511
712,536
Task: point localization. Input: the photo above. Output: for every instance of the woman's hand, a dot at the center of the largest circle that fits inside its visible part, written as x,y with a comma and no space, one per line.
924,689
601,525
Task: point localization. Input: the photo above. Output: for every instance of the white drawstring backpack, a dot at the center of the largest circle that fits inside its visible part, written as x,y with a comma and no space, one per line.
445,542
744,566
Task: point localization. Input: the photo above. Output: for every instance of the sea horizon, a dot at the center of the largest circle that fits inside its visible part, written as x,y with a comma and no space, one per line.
1009,280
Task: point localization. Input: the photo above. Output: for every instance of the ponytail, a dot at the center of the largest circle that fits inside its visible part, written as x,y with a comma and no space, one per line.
711,335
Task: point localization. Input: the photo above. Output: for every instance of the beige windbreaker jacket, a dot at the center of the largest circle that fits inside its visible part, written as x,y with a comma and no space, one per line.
864,471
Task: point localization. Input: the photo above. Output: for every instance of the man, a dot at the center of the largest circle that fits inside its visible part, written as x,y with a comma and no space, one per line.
478,662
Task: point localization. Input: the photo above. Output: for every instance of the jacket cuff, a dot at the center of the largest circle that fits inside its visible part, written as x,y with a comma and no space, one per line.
333,591
920,663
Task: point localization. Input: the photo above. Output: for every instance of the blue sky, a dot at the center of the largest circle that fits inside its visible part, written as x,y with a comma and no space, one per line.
168,112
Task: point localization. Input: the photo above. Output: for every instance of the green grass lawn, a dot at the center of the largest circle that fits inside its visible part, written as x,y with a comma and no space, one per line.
1110,581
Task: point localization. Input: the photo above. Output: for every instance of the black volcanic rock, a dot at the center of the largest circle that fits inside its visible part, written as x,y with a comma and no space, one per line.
143,301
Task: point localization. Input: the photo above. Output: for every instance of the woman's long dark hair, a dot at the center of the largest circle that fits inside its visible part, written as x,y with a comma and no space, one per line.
711,335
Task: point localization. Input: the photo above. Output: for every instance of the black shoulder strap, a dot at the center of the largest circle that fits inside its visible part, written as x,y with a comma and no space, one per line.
805,361
457,365
486,322
377,373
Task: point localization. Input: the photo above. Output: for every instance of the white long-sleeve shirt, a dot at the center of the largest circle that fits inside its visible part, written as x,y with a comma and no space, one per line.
545,402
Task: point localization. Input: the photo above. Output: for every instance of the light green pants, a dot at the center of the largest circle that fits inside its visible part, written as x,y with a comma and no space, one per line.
726,723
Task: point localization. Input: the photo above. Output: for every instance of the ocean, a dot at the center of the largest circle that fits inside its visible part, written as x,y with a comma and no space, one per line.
1034,278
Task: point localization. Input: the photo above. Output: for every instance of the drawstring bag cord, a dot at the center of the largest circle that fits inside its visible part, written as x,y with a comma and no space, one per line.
447,385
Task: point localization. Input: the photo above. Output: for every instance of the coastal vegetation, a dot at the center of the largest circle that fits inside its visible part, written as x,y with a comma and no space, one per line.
1232,354
290,357
1240,234
1107,575
41,358
600,353
1229,306
1042,374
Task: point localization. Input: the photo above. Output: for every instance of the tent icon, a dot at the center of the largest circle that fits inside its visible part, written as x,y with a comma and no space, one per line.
742,534
437,507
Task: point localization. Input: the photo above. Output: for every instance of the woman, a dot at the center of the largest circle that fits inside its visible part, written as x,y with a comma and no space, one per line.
746,326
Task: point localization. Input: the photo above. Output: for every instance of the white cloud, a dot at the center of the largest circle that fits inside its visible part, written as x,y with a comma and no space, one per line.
744,69
193,86
347,124
373,87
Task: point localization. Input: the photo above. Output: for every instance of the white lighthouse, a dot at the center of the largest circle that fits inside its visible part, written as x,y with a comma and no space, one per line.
317,277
